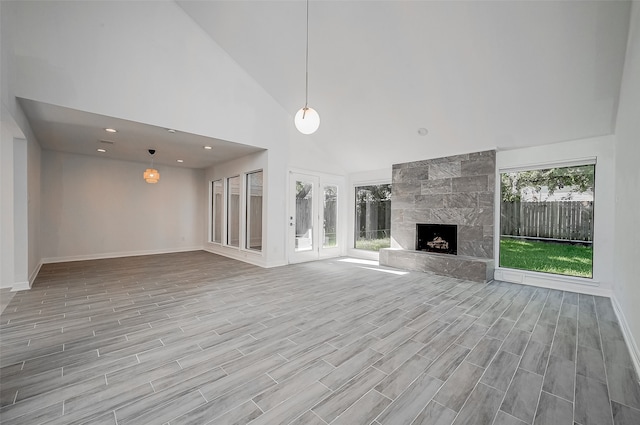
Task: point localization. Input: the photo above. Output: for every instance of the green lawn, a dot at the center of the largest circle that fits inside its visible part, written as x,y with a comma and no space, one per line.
548,257
373,244
330,240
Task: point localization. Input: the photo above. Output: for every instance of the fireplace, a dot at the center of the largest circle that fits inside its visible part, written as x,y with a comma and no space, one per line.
442,238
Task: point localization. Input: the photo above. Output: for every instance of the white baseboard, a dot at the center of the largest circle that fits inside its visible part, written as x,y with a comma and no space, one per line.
26,285
628,336
363,254
21,286
33,276
255,258
544,280
275,264
117,255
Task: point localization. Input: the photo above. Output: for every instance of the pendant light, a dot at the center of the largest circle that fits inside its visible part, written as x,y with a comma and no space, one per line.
307,119
151,175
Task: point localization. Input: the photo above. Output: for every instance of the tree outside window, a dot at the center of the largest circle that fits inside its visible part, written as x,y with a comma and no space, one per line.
373,217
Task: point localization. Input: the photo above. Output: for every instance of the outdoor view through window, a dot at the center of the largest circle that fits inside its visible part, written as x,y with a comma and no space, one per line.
373,217
546,220
330,216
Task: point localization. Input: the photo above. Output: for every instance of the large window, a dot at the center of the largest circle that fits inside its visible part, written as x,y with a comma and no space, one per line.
546,220
254,211
373,217
330,216
233,211
216,211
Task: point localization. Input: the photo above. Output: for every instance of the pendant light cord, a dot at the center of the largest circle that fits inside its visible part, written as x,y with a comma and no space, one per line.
306,67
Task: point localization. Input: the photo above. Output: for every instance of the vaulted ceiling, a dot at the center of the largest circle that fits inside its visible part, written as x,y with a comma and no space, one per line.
476,74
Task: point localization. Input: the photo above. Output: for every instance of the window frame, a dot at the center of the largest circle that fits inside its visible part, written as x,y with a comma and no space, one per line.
352,238
247,215
228,212
216,217
514,274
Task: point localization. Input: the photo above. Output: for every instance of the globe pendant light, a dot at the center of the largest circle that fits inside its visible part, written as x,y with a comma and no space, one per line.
307,119
151,175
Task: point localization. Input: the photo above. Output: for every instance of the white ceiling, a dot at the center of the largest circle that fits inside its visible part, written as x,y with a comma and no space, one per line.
68,130
477,74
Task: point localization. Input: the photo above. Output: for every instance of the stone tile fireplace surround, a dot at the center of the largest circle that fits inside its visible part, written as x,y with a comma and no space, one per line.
456,190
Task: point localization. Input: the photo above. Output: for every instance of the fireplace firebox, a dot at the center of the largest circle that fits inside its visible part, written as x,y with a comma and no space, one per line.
442,238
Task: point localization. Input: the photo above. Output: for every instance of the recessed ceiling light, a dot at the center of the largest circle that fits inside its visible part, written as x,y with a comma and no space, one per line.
111,130
179,160
423,131
171,130
208,148
102,150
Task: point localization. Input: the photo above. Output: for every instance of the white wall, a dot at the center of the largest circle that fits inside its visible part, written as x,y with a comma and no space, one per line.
601,148
34,166
304,154
626,251
99,208
8,130
142,61
7,19
6,201
149,62
20,214
19,201
20,174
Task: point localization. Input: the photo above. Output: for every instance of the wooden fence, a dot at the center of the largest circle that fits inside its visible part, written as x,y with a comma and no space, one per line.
562,220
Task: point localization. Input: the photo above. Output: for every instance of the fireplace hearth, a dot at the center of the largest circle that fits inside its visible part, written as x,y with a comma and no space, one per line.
441,238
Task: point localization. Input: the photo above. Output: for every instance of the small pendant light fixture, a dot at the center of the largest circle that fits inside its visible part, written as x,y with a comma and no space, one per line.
151,175
307,119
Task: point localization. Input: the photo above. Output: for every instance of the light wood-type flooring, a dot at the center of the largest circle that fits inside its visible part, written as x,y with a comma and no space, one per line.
194,338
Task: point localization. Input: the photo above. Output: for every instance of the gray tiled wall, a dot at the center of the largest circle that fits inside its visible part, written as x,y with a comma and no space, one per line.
453,190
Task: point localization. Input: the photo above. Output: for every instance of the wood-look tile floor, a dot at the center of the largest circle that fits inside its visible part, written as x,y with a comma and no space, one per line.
193,338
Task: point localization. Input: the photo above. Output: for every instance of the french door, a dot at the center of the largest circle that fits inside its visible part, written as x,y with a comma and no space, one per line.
313,218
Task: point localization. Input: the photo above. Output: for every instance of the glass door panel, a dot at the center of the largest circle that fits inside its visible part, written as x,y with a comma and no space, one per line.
303,218
304,215
330,217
